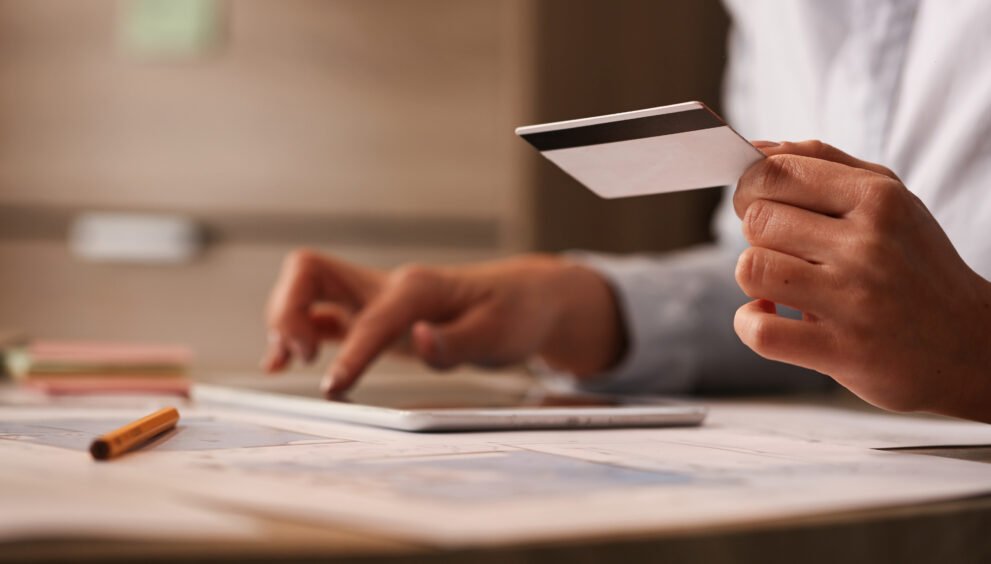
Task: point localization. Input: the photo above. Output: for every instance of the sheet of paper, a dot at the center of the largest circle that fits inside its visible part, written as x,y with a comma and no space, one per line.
478,488
534,486
57,493
871,429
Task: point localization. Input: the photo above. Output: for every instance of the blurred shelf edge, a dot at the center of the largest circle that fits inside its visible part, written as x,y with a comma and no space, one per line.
52,223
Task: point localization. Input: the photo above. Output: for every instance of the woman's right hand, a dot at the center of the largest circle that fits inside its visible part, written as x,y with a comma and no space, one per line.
489,314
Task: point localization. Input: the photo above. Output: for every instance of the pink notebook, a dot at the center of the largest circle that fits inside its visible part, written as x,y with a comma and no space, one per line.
109,385
108,353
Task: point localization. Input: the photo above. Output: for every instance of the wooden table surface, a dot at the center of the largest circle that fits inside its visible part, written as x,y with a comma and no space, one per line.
952,532
956,531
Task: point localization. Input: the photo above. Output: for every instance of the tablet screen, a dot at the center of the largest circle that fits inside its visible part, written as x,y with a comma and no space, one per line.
478,399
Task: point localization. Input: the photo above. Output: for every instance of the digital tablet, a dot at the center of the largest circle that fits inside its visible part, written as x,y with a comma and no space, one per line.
499,409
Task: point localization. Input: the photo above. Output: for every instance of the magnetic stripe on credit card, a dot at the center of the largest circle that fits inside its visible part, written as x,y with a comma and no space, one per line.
624,130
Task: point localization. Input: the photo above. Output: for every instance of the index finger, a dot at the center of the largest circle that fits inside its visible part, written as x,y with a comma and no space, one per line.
817,185
790,167
826,152
420,295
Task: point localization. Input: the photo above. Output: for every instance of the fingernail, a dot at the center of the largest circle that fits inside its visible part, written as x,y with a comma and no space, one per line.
334,375
764,144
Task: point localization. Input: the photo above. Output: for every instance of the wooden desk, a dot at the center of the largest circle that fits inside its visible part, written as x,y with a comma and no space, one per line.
954,532
951,531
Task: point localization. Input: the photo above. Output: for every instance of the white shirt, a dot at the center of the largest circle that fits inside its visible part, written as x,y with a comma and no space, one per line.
905,83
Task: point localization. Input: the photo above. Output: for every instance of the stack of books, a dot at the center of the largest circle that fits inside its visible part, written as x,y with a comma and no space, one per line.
77,367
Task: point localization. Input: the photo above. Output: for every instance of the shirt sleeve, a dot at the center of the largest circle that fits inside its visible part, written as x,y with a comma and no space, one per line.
678,308
678,313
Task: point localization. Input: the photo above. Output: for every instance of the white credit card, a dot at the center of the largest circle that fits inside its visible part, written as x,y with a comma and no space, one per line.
663,149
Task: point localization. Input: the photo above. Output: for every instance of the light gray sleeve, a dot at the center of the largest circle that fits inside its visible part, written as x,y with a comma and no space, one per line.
678,311
678,308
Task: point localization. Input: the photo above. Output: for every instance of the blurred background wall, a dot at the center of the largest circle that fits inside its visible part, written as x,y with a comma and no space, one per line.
379,130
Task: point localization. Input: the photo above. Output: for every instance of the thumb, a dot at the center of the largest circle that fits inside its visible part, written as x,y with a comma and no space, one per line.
470,338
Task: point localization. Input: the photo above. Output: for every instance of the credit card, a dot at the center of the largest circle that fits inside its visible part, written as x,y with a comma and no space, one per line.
664,149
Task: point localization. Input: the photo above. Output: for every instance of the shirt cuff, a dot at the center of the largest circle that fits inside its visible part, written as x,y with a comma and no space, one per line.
659,300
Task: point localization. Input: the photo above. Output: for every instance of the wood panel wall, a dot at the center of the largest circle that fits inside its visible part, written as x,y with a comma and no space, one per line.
376,129
599,57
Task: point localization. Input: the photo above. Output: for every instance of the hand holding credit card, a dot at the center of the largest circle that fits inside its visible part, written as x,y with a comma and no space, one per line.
663,149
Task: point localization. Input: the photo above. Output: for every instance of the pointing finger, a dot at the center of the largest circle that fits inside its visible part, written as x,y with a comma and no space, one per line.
416,294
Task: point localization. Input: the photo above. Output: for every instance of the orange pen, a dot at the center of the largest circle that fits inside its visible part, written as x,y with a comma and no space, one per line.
134,434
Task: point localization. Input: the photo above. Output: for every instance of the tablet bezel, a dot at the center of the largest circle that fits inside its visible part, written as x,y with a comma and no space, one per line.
636,411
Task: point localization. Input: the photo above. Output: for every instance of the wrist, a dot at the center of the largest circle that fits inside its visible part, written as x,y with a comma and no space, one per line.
977,404
587,334
966,390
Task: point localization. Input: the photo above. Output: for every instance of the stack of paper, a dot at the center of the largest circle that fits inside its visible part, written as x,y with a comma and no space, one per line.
69,367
